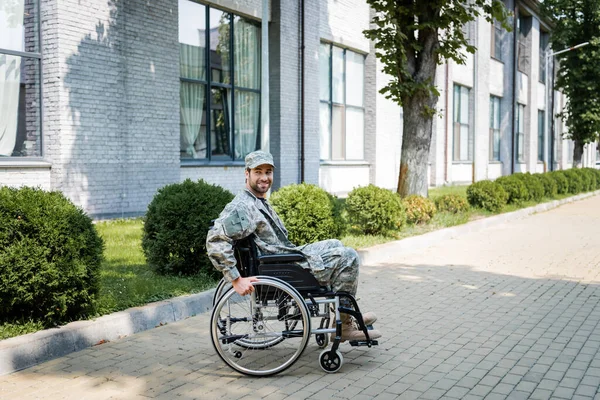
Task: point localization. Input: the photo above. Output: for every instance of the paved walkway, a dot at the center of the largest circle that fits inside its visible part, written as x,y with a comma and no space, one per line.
511,312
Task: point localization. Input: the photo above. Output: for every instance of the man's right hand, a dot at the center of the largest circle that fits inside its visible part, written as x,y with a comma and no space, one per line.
243,286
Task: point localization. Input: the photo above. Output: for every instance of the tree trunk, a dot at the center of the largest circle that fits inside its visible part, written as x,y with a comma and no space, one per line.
416,141
577,153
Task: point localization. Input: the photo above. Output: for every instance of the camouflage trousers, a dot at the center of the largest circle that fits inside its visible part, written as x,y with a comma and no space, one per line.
341,265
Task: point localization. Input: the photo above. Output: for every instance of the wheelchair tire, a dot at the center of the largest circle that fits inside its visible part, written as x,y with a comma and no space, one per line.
331,361
261,334
223,286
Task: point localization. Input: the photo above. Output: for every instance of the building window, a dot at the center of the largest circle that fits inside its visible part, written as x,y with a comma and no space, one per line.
20,87
462,133
520,132
541,142
494,128
220,88
342,112
497,45
543,51
523,27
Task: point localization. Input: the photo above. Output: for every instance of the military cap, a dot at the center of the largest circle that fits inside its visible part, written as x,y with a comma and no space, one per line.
257,158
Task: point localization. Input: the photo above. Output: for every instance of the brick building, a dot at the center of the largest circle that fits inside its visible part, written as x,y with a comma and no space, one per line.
107,101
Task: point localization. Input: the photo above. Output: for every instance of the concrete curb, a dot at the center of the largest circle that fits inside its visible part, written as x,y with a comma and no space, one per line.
25,351
31,349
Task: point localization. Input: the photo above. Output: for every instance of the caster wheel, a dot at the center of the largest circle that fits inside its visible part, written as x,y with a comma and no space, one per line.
331,362
322,340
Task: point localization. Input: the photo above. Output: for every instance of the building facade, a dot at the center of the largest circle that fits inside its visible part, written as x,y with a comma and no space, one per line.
110,101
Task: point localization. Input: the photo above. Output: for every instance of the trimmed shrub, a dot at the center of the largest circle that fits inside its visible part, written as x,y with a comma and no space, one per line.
550,187
515,188
452,203
309,213
562,182
589,178
586,180
419,210
374,210
575,181
597,173
176,224
534,186
488,195
50,256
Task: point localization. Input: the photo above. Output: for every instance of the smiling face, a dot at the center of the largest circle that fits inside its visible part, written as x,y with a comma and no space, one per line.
259,180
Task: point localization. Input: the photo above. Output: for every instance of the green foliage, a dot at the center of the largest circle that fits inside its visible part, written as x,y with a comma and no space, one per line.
561,180
452,203
309,213
487,195
50,255
419,210
535,188
176,224
573,23
550,186
597,173
588,176
515,188
374,210
575,181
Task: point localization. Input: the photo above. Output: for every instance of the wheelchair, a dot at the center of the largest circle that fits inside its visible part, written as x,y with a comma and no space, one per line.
264,333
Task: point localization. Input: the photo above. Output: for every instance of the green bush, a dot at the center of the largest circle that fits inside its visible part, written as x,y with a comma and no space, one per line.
534,186
550,186
374,210
50,256
589,177
176,224
575,181
488,195
562,182
515,188
586,181
597,173
419,210
452,203
309,213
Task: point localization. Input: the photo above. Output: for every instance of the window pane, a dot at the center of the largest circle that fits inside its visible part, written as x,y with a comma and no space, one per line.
193,120
19,25
456,103
219,46
247,114
325,130
220,121
540,135
337,133
456,142
192,41
497,145
464,105
324,71
19,106
355,128
247,52
337,75
520,144
355,66
464,142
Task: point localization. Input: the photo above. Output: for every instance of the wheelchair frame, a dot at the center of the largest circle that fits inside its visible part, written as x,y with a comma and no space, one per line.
266,332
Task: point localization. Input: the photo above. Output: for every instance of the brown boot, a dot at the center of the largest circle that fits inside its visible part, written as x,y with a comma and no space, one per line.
350,330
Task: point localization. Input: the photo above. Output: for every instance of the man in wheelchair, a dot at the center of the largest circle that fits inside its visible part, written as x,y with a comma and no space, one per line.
249,213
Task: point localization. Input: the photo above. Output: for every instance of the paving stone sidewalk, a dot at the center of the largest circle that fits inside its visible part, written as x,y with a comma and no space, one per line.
509,312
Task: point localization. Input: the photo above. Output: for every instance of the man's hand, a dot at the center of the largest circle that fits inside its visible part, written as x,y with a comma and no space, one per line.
243,286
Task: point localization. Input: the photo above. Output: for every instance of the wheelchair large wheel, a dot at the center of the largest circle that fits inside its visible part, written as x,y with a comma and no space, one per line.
263,333
223,286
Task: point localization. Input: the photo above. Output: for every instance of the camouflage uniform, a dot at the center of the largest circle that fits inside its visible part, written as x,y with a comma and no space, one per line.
330,261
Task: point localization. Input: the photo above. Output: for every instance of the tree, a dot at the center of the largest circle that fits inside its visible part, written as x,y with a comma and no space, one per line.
413,37
578,77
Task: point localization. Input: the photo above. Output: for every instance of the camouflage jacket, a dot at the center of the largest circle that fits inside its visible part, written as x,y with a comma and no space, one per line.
247,215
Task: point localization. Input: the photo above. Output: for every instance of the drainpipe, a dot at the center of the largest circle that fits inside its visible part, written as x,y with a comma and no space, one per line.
475,94
302,47
514,89
448,116
264,92
551,112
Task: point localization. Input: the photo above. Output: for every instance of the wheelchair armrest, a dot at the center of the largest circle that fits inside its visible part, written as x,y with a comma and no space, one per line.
281,258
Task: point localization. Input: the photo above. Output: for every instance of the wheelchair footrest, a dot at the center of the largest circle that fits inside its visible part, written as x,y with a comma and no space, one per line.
369,343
